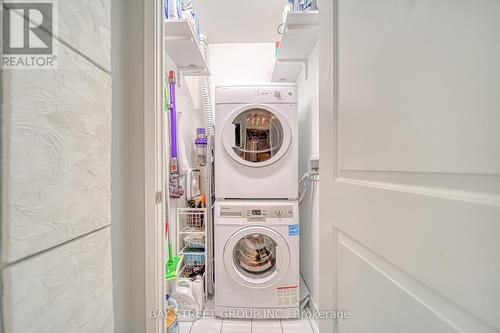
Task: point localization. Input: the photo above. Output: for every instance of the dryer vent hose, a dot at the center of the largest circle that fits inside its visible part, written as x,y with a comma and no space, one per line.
206,94
304,182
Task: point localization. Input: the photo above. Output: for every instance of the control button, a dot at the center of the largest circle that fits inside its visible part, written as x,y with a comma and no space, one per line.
276,93
278,212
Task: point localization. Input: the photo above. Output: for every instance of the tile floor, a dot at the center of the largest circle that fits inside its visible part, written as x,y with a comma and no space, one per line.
216,325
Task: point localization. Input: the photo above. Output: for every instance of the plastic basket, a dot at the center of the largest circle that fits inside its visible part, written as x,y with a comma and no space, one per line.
194,259
194,242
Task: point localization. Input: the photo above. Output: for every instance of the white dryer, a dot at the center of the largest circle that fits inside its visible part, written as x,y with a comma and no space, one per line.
257,259
256,144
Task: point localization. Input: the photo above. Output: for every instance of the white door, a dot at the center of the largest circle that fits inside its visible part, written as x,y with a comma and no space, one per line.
410,165
256,257
256,135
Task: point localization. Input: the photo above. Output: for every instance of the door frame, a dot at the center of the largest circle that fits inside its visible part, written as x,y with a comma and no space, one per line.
154,168
328,120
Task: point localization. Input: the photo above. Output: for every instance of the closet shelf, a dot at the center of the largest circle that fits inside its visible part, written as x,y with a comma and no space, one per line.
300,34
182,46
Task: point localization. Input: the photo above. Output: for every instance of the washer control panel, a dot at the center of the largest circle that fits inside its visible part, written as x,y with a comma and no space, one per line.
257,212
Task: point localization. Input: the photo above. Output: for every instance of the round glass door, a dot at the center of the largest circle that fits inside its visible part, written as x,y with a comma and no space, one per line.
256,257
256,136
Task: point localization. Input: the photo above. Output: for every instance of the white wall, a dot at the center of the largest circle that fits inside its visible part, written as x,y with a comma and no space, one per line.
308,147
241,63
189,113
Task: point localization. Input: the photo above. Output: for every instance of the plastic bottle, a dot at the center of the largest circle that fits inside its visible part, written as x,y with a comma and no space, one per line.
183,291
172,9
197,288
201,146
294,5
171,322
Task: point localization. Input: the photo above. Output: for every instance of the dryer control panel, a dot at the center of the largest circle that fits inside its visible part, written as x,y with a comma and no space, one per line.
272,93
257,211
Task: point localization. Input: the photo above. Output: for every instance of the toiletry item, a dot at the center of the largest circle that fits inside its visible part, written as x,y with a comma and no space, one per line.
277,48
172,9
171,315
294,5
201,146
308,5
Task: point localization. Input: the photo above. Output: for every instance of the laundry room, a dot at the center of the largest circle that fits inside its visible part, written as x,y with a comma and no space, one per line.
161,160
240,150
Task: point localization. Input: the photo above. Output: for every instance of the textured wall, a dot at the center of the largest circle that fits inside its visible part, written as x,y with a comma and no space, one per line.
85,25
57,154
63,290
56,182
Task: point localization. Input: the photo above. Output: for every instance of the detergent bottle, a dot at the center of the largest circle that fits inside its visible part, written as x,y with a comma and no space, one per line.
171,322
197,288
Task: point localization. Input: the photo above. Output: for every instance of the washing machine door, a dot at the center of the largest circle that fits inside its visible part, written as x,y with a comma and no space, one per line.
256,135
256,257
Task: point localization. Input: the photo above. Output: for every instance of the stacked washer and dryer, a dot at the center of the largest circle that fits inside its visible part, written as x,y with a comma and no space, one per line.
256,209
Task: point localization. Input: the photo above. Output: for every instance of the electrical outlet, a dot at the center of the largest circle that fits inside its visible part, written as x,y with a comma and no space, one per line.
314,162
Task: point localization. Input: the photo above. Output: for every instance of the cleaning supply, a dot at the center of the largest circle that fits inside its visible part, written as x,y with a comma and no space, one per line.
171,322
201,143
183,292
173,262
197,289
176,190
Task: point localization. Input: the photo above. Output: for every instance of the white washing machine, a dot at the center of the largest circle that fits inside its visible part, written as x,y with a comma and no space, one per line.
257,259
256,144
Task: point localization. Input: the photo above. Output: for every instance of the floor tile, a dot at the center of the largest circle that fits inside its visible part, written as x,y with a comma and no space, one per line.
207,325
185,326
296,326
266,326
236,326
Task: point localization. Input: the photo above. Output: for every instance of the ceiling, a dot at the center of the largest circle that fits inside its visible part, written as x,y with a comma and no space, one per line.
239,21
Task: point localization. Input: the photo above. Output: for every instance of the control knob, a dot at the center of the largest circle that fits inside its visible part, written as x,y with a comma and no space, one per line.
278,211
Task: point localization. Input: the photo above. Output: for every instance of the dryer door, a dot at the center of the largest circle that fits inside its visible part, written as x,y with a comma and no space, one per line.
256,257
256,135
